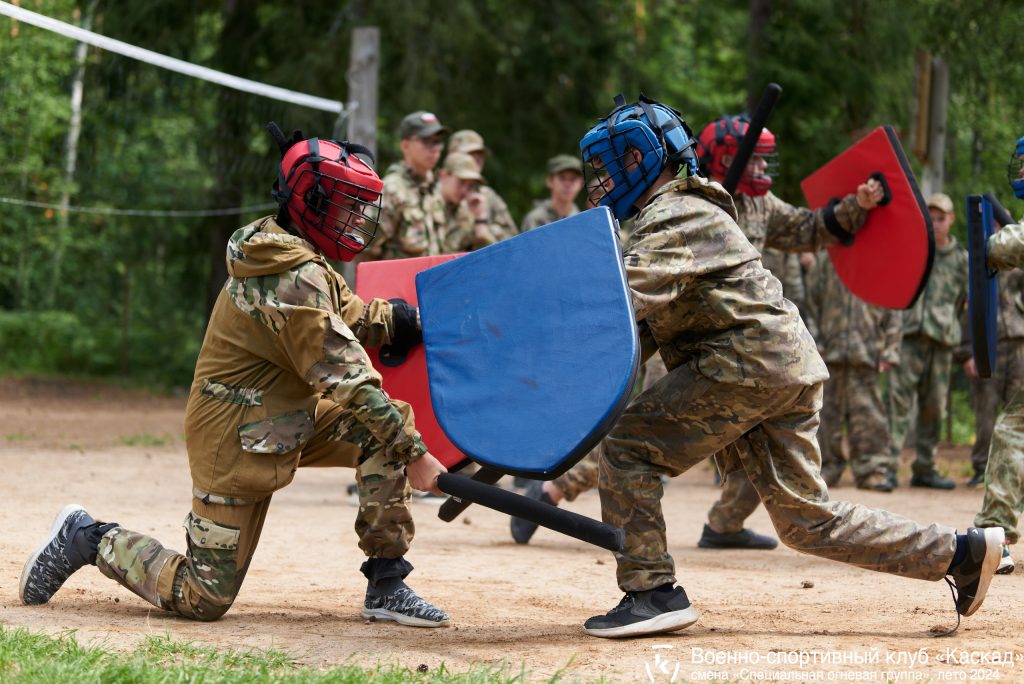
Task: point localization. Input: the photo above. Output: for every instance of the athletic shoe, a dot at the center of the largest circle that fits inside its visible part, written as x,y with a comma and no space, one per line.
977,480
522,530
56,559
403,606
744,539
973,574
644,612
876,482
931,480
1006,564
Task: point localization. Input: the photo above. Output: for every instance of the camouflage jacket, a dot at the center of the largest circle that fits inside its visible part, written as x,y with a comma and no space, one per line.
461,231
409,223
767,221
1006,251
1006,248
703,297
499,219
846,329
542,214
778,230
937,312
285,332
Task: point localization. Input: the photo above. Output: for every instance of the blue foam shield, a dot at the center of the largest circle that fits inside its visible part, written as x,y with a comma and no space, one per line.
984,294
531,345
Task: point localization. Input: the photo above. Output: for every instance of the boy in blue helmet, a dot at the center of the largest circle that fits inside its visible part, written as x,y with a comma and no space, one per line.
744,379
1004,475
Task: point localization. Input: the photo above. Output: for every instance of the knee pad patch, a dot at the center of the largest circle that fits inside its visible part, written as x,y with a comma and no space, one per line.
206,534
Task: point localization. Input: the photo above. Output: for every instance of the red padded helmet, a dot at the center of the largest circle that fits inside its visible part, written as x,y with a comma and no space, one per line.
721,138
327,193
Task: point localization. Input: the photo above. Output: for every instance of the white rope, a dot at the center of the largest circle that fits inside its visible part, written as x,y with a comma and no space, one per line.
182,213
156,59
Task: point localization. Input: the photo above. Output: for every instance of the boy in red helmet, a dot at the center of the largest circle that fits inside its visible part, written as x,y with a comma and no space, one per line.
282,381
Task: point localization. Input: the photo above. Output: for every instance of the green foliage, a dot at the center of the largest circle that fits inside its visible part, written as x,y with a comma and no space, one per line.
132,293
39,659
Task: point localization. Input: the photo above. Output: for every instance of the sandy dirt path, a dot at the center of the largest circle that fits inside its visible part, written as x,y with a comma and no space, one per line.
121,455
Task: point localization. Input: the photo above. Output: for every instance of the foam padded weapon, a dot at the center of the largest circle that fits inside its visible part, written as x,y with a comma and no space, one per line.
999,212
888,261
746,147
984,294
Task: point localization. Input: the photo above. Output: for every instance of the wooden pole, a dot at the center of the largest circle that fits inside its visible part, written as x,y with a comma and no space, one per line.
361,104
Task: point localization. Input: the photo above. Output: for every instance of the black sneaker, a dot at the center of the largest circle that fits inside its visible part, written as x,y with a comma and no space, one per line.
744,539
403,606
522,530
973,574
977,480
56,559
931,480
644,612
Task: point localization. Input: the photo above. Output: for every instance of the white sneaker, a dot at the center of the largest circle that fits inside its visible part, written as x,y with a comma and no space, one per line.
1006,564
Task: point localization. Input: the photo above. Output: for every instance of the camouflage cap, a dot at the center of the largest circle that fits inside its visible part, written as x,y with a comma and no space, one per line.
461,165
467,141
941,201
421,125
564,162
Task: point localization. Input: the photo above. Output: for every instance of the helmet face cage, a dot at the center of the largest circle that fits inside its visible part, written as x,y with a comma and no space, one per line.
339,216
625,153
722,137
1013,170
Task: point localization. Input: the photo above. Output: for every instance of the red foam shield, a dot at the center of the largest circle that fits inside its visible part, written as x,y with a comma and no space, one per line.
890,258
408,382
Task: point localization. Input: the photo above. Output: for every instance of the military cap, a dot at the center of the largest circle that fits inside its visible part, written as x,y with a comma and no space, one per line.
941,201
467,141
461,165
421,125
564,162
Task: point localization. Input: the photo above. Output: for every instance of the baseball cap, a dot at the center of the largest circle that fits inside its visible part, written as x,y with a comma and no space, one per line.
461,165
941,201
467,141
564,162
421,124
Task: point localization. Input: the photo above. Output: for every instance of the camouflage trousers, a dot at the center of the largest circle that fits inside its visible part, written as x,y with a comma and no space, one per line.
222,532
738,500
853,399
922,376
1004,476
685,417
989,394
582,477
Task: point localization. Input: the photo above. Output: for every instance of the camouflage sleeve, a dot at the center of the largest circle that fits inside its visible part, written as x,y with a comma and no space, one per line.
812,299
658,268
892,336
797,229
320,348
1006,248
371,321
530,221
502,225
648,345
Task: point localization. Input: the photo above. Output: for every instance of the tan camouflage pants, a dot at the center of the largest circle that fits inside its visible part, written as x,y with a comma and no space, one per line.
685,417
1004,476
923,375
739,499
222,532
988,394
853,399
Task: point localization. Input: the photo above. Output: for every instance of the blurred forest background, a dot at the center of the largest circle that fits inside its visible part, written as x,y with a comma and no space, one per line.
108,294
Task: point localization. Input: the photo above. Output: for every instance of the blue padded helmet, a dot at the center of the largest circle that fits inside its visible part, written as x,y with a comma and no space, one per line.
656,131
1013,170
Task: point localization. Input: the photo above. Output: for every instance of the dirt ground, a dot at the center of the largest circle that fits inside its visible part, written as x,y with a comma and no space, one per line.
121,455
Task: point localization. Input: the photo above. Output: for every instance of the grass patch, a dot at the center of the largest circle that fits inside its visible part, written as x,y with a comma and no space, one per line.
145,440
26,657
16,437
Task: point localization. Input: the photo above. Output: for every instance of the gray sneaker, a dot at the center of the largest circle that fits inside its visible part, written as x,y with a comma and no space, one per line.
56,559
974,573
644,612
1006,565
403,606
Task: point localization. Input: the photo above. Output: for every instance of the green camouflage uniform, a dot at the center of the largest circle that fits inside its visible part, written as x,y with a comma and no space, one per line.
410,225
931,332
777,230
282,381
542,214
744,382
853,337
499,219
990,394
460,227
1004,476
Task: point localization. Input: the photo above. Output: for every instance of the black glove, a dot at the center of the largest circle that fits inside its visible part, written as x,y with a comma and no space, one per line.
407,333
